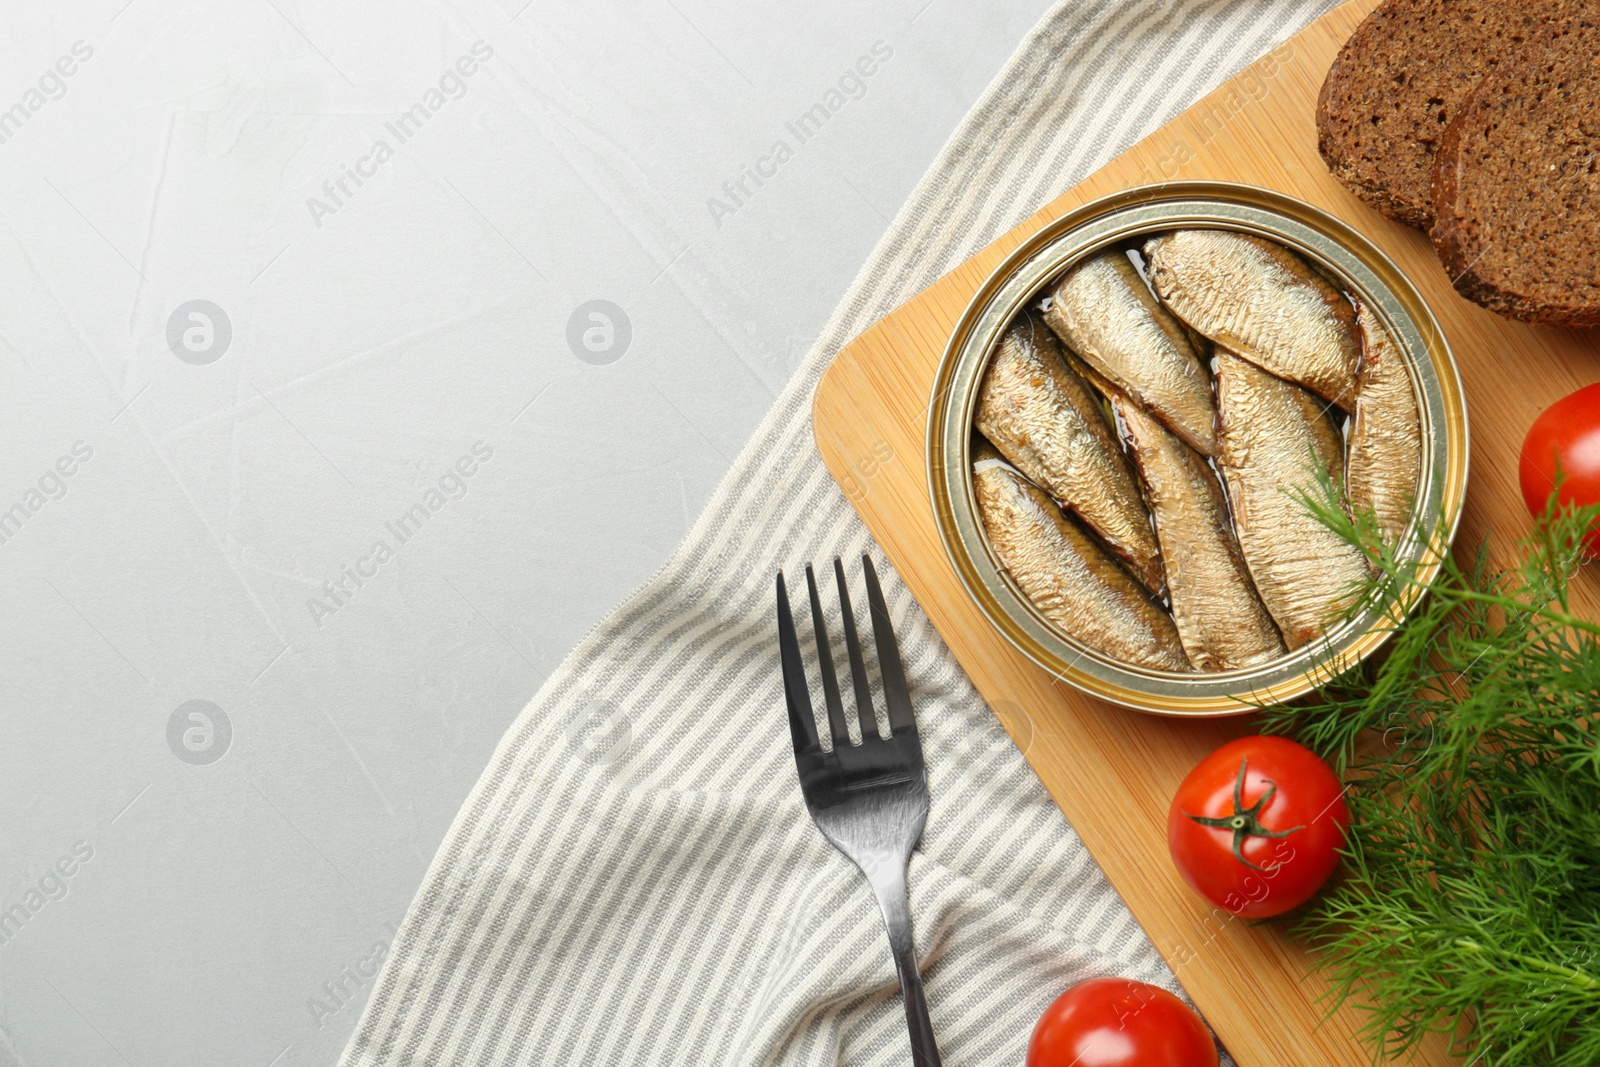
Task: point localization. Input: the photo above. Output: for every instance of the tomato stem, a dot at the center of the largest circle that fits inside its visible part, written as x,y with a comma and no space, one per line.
1245,822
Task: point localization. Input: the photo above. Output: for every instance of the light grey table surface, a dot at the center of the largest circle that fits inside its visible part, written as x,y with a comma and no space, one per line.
316,454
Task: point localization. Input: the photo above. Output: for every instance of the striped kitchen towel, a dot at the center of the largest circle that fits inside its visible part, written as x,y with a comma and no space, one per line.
634,879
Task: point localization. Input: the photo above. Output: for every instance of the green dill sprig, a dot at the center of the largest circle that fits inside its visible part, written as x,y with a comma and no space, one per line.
1470,900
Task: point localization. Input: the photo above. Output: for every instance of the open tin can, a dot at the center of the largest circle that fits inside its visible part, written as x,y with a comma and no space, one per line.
1362,270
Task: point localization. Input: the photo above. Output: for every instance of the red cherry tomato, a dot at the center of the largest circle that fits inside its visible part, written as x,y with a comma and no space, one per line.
1257,826
1568,433
1115,1022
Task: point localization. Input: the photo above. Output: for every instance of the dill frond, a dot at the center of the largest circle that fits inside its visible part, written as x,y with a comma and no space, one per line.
1470,899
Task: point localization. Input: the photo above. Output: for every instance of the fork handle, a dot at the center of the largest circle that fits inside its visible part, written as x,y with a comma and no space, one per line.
889,884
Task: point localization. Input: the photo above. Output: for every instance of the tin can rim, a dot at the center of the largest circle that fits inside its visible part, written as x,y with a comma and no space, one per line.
1328,242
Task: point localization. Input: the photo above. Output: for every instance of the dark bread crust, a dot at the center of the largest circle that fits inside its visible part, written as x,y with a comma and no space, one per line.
1517,186
1398,82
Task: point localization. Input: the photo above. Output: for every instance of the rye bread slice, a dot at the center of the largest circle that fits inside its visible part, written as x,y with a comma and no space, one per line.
1399,81
1517,186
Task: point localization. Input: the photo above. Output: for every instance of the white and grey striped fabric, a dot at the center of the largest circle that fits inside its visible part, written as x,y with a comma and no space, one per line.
634,880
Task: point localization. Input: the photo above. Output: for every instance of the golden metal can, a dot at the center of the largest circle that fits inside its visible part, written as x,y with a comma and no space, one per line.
1364,270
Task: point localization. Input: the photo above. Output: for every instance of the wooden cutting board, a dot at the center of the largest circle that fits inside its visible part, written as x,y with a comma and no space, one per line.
1114,771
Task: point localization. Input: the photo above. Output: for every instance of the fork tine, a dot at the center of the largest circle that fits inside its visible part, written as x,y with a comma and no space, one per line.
802,721
830,680
895,692
858,667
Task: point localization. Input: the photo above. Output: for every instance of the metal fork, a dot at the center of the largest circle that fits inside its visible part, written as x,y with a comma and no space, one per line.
870,800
